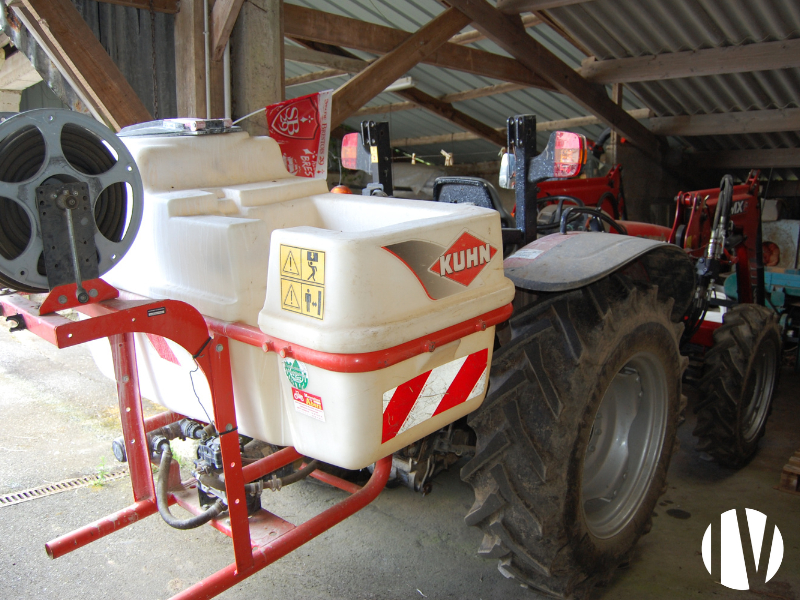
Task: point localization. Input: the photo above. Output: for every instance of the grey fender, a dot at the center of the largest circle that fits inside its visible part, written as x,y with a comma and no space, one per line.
558,263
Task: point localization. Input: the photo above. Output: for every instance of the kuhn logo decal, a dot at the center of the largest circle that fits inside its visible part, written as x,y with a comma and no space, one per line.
444,271
464,260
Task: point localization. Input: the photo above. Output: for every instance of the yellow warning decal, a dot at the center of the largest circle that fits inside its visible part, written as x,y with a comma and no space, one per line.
290,295
302,273
373,154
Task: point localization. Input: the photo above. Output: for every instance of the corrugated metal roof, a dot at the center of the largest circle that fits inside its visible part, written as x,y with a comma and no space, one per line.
608,29
410,15
628,28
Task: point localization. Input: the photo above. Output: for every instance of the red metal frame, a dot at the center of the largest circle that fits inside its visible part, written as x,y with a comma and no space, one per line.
590,190
65,296
258,540
363,362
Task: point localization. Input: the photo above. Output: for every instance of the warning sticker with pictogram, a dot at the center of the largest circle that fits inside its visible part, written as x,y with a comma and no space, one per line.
290,262
302,281
290,295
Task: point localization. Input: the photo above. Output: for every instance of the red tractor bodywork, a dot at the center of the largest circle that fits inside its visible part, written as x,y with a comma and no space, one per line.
694,216
691,230
601,192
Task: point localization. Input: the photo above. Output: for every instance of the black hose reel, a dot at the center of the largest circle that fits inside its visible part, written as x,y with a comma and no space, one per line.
70,201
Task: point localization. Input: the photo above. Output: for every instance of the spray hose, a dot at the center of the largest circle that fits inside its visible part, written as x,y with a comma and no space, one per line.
162,500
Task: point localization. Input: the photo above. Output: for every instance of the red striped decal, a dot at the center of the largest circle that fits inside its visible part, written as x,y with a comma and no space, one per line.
464,382
433,393
402,402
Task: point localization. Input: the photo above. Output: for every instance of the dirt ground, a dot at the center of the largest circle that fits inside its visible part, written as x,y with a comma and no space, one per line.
59,416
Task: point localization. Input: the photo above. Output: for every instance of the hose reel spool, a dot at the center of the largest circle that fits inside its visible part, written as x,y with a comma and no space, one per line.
70,200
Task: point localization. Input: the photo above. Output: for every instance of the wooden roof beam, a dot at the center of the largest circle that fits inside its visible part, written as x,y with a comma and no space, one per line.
508,33
315,76
637,113
17,73
317,26
223,18
470,37
750,121
378,75
59,28
417,99
514,7
500,88
446,111
763,56
324,59
779,158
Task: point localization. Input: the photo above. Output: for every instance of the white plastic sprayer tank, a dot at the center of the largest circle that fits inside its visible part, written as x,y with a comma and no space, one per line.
228,230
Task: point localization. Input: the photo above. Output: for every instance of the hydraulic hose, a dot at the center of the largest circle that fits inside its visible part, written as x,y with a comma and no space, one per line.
294,477
162,500
275,484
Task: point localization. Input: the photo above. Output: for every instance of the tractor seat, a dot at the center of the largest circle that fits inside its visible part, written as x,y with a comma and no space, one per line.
471,190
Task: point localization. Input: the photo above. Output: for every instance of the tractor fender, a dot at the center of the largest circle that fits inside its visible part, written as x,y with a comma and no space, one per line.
559,262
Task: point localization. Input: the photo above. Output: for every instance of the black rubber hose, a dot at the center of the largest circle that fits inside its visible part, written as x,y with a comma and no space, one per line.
600,142
301,474
162,499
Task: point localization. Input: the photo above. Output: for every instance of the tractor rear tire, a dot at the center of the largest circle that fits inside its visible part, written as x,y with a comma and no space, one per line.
576,434
739,378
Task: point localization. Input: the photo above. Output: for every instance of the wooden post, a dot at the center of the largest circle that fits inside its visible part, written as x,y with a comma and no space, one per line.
613,140
257,61
190,71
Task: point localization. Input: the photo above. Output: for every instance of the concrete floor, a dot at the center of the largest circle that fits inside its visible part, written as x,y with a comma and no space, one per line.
59,416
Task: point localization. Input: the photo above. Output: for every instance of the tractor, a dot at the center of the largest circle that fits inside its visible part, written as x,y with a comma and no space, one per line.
365,332
733,340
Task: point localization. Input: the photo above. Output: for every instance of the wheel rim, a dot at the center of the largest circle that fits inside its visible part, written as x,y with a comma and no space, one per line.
624,445
755,413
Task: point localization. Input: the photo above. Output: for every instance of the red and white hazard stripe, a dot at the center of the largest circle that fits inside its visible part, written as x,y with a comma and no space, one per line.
434,392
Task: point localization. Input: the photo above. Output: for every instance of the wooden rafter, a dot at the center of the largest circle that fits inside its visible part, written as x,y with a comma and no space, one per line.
470,37
307,24
373,80
751,121
637,113
384,109
508,33
514,7
500,88
81,58
223,18
17,73
324,59
446,111
164,6
315,76
780,158
763,56
418,99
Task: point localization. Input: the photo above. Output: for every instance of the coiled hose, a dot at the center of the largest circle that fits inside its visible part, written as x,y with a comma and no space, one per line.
162,499
22,155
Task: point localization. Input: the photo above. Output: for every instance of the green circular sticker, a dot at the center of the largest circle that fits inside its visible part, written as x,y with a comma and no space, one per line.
296,372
